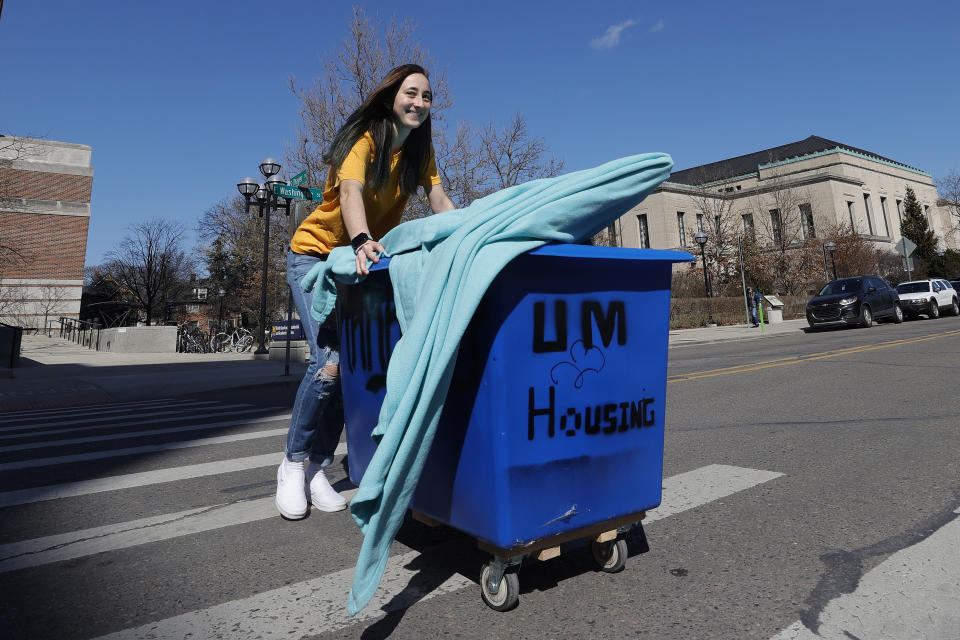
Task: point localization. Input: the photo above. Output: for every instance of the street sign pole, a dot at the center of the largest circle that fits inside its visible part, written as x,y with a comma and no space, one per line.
907,247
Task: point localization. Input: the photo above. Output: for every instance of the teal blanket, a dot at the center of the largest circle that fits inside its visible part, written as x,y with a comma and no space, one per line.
440,268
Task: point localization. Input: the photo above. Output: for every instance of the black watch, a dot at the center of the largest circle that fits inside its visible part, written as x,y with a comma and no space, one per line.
359,240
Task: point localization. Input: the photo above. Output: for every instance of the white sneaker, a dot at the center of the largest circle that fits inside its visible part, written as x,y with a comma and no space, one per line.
322,495
291,498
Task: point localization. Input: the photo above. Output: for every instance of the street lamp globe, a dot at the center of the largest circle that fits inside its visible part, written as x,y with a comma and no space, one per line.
248,186
269,167
830,246
275,179
261,193
701,238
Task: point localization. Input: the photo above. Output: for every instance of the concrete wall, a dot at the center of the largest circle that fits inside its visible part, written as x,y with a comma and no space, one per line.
139,340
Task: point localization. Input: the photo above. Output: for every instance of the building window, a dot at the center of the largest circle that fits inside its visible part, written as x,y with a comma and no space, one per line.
775,226
193,308
806,221
748,229
700,223
866,207
883,212
644,231
681,230
716,224
853,225
900,211
926,213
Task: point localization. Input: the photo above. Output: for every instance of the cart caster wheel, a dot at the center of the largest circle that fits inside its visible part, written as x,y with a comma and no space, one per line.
506,597
610,556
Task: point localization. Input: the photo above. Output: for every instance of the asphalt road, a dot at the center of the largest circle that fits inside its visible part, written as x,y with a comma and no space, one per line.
811,490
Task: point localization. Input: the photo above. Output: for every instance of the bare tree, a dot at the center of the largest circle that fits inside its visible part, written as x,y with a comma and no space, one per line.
510,156
786,253
713,204
150,265
52,301
233,256
473,162
949,192
362,61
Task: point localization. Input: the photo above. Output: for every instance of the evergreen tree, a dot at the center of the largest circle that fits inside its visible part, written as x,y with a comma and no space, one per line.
915,228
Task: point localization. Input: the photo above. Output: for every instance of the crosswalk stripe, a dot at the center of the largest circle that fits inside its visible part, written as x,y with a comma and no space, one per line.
180,415
113,453
27,413
911,594
73,413
20,555
306,608
142,479
41,428
44,444
314,606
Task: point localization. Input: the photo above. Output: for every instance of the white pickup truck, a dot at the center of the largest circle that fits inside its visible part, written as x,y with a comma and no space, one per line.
928,297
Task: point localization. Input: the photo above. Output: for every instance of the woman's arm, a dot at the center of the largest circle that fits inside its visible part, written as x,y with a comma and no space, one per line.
355,222
439,200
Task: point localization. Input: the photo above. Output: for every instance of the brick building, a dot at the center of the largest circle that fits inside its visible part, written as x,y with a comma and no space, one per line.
44,216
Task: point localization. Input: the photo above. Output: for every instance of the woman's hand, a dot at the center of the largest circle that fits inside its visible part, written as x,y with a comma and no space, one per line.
368,251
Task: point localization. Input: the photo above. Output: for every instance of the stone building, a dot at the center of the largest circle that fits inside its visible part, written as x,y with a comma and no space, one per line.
812,184
44,216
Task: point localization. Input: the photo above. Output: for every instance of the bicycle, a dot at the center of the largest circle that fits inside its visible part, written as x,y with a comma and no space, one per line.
191,339
239,340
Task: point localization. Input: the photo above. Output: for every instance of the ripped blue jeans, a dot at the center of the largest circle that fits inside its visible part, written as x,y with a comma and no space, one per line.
317,419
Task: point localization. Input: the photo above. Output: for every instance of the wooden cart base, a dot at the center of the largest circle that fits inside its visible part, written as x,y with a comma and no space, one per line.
499,583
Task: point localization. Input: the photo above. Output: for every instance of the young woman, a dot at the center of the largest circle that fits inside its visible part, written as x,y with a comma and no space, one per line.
377,160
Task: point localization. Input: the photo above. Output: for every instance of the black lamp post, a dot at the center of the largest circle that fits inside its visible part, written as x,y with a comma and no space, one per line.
267,201
701,239
831,247
221,293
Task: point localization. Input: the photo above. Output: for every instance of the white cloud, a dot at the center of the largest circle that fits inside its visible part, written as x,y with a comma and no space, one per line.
658,26
612,37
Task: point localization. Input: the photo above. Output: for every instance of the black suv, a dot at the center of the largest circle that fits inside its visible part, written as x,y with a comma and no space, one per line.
854,301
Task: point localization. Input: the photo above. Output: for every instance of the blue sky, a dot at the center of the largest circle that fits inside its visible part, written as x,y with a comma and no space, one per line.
180,100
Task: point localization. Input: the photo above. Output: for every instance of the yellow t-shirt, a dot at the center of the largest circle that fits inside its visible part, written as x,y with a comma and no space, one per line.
323,229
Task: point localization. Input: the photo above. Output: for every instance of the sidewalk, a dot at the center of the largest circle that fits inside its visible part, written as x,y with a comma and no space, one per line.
683,337
55,373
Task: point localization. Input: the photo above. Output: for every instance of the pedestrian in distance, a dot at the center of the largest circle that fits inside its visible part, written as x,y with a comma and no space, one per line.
378,159
753,301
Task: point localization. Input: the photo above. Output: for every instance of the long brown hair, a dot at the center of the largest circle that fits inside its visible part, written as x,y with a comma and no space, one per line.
376,116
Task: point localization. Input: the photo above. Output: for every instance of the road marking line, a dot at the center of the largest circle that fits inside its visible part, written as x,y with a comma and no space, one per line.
911,594
144,478
307,608
77,544
44,444
27,413
684,377
319,605
112,453
100,422
706,484
101,412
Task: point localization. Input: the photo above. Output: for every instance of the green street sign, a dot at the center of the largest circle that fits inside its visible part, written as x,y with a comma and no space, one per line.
298,179
302,193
